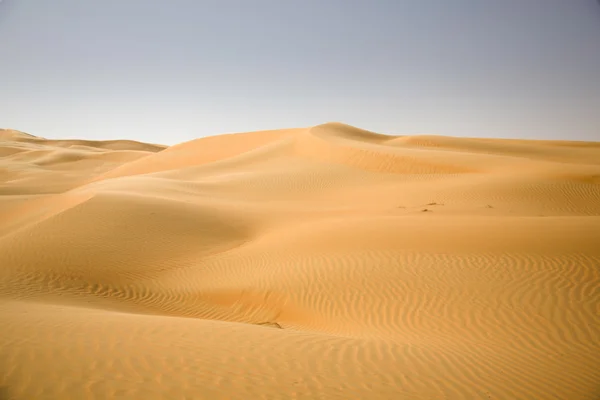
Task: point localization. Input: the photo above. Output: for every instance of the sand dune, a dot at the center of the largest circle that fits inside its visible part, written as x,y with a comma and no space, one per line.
328,262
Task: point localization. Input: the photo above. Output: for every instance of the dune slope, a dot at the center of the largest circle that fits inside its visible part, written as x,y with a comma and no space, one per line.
328,262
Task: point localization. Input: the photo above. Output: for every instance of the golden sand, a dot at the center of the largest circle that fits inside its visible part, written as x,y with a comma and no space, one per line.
320,263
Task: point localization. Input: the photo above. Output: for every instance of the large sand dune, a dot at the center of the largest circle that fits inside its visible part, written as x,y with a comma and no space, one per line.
320,263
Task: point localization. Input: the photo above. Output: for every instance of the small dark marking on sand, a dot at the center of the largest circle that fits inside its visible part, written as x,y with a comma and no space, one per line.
270,325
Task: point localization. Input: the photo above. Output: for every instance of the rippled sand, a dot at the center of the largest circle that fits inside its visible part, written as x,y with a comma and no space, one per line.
320,263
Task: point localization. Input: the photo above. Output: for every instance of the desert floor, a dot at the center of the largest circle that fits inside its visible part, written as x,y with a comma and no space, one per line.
316,263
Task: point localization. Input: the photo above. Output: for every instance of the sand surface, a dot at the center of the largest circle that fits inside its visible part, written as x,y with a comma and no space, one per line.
320,263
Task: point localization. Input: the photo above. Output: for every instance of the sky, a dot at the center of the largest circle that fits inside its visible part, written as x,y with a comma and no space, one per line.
168,71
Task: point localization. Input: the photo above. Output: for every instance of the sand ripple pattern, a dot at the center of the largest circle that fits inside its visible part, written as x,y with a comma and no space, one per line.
316,263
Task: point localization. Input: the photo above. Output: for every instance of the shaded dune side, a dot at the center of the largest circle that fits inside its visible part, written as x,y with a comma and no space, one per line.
9,150
147,227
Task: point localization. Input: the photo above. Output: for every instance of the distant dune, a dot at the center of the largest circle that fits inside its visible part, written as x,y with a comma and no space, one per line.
314,263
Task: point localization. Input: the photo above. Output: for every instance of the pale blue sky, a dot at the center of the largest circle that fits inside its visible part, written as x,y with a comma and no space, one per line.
173,70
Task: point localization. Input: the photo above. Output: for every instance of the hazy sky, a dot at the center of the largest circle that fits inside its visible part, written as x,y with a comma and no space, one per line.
173,70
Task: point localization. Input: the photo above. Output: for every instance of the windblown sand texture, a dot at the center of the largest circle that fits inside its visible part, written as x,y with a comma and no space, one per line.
320,263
